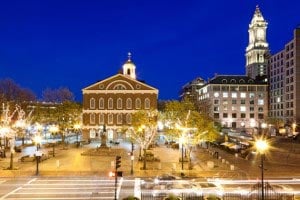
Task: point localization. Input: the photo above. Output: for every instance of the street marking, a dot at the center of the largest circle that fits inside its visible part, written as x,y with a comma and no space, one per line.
10,193
119,187
137,188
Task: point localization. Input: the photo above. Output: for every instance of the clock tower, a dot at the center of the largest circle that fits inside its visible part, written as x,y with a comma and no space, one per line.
257,51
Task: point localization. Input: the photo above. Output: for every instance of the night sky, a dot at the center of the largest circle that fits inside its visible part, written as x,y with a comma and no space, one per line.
49,43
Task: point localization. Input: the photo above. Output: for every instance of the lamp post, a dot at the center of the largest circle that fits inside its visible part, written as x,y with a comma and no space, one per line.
131,158
37,153
181,142
53,129
262,146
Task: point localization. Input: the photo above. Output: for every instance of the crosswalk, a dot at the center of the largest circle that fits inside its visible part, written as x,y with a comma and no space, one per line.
71,189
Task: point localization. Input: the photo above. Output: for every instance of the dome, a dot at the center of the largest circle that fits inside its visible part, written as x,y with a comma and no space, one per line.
129,67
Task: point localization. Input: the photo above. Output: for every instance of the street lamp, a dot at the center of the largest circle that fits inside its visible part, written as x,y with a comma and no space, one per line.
261,146
131,158
37,140
53,129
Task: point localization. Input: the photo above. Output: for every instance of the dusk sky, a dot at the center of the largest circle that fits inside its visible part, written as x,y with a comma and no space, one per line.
75,43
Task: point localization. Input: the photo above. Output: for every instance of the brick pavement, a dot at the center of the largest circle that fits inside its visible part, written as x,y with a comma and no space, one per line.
71,162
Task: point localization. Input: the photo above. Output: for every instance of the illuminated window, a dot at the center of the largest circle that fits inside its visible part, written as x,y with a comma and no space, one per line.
92,103
243,95
234,95
243,108
216,94
129,103
101,103
225,94
147,103
110,103
260,102
119,103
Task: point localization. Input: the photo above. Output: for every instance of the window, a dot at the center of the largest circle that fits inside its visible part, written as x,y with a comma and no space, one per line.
119,103
216,101
233,115
260,109
251,101
129,103
147,103
110,103
101,118
243,115
260,102
233,101
216,115
243,101
251,115
251,95
128,118
234,95
243,108
225,115
110,118
216,109
225,94
225,108
251,109
92,103
243,95
138,103
216,94
119,118
92,118
101,103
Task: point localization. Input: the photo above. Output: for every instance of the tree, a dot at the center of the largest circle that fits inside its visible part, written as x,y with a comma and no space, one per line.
59,95
12,92
143,129
184,123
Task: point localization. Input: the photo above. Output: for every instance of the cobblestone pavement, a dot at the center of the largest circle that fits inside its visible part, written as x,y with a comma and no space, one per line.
69,161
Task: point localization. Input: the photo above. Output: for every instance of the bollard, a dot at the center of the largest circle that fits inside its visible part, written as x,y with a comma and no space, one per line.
57,163
231,167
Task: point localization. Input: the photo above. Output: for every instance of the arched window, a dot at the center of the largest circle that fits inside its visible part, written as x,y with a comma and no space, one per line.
92,103
129,103
128,118
110,118
92,118
119,103
110,103
147,103
241,81
101,118
101,103
138,103
119,118
224,81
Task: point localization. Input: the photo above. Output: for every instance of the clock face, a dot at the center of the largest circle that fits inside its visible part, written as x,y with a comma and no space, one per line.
260,33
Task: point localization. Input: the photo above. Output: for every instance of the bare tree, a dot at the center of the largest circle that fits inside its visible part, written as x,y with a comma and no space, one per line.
59,95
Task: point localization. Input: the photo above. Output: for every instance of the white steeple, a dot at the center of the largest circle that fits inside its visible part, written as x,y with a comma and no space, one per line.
258,47
129,67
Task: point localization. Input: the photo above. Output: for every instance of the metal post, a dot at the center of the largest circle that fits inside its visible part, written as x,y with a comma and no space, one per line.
131,157
182,157
144,166
262,177
11,166
77,133
53,153
37,165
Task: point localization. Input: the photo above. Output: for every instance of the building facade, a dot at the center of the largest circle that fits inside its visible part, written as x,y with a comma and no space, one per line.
109,104
257,51
236,101
284,79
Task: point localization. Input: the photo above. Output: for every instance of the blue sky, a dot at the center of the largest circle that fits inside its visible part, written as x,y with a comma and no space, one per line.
49,43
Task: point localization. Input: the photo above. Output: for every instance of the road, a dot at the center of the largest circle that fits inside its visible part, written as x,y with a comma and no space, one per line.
64,188
102,188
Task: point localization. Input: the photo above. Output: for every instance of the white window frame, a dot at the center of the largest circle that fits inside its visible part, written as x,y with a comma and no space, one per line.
119,118
110,119
92,118
147,103
101,103
128,118
101,118
110,103
129,103
92,103
119,103
138,103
